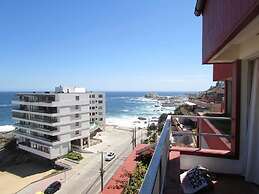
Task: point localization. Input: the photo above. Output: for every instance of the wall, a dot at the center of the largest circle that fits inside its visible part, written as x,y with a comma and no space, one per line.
222,71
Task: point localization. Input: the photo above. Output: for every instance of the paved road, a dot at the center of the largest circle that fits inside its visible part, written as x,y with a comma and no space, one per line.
84,177
87,180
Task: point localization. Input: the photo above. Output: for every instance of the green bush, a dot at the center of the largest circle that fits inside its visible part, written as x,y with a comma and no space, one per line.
74,156
136,179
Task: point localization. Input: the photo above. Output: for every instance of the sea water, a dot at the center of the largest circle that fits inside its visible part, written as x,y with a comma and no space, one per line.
122,108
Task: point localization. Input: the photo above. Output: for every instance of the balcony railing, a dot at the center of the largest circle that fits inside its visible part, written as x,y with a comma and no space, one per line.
44,128
44,119
49,110
155,175
36,98
50,139
154,178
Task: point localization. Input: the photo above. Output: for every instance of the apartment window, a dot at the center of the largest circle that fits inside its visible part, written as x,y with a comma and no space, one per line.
100,107
100,113
77,132
93,108
77,124
101,119
100,96
93,114
77,97
76,115
100,101
76,107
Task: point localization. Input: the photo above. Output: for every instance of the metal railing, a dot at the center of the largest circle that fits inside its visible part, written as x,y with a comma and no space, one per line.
156,173
199,133
154,178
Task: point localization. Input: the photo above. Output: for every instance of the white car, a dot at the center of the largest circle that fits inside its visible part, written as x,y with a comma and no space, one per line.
109,156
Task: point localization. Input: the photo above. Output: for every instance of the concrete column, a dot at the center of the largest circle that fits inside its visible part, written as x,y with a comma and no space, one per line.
81,143
88,141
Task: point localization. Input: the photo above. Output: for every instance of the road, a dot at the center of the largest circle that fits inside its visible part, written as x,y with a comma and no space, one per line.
87,178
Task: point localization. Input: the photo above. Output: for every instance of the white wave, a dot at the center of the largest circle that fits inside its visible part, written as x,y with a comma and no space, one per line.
6,128
120,97
125,110
126,122
5,105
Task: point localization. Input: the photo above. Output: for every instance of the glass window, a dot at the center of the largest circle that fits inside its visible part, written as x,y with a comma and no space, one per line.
77,97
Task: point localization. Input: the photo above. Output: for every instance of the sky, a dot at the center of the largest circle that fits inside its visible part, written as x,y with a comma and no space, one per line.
107,45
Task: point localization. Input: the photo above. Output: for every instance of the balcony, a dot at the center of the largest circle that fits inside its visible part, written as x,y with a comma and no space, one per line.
37,136
36,98
171,158
39,118
36,127
36,109
39,150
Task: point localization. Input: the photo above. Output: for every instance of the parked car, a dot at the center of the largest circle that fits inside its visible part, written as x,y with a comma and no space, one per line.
109,156
53,187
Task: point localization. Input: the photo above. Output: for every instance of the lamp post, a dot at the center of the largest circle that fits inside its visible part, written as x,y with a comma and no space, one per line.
101,171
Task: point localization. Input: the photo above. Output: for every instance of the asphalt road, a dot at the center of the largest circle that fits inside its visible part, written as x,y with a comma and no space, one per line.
87,180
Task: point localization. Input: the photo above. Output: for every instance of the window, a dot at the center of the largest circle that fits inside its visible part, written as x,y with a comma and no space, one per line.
76,115
76,107
100,96
77,132
77,124
100,101
93,96
101,119
77,97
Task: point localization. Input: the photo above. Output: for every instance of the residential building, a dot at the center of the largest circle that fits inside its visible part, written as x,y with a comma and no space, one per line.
97,109
231,44
50,124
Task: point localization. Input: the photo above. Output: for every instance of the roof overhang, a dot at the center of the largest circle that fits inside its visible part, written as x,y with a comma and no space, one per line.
199,7
245,45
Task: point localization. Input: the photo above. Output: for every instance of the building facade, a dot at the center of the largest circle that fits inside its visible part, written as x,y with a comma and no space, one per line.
51,124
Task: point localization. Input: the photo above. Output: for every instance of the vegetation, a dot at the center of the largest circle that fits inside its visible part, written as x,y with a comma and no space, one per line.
161,122
10,145
74,156
137,177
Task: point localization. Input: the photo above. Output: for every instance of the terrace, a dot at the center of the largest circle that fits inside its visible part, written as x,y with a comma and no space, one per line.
168,162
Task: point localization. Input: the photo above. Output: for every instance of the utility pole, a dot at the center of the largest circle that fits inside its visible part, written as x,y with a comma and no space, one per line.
134,137
101,171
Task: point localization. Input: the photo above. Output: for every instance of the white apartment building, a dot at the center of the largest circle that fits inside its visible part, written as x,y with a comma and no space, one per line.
51,124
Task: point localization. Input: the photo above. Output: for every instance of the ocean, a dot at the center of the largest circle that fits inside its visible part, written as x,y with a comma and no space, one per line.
122,108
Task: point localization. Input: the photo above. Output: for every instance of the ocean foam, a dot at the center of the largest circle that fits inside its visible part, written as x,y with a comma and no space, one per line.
6,128
126,122
5,105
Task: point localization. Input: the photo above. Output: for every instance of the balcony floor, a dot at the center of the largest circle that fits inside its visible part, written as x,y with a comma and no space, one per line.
226,184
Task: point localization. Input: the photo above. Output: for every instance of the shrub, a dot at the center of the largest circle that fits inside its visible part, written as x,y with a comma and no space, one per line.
74,156
136,179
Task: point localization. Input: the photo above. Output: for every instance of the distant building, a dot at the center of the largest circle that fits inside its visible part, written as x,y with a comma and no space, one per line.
51,124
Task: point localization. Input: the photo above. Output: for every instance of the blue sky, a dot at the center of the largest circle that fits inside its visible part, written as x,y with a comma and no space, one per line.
110,45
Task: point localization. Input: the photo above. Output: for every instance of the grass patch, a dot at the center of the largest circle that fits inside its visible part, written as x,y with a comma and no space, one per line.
74,156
